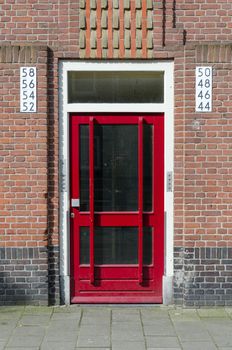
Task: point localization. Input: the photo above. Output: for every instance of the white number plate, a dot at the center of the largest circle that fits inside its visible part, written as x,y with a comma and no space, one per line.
28,89
204,89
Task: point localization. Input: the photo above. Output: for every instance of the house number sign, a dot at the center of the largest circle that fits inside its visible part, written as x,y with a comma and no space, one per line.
28,89
204,89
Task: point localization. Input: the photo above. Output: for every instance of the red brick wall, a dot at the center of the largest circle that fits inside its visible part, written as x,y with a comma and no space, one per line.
29,145
23,152
203,156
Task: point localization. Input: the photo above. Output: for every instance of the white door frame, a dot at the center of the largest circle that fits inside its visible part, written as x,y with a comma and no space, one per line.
65,108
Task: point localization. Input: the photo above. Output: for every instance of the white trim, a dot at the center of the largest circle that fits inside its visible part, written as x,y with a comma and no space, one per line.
64,109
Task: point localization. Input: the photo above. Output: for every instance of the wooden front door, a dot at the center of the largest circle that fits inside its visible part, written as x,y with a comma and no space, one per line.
117,208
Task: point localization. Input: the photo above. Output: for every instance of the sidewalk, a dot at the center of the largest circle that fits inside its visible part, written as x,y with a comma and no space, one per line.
115,328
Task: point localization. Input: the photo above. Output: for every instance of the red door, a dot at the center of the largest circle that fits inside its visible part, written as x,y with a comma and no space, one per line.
117,208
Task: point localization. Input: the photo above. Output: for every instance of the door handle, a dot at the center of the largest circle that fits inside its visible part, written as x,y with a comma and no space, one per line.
75,202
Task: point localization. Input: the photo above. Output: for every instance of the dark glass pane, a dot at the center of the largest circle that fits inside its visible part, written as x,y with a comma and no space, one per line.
147,245
116,167
84,167
84,245
116,245
115,87
147,167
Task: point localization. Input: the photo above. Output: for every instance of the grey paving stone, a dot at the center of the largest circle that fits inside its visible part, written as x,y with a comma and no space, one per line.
2,345
126,345
165,349
97,329
229,311
93,348
188,334
93,341
67,309
198,345
217,312
24,331
9,309
25,342
219,327
127,332
184,315
162,342
31,310
10,316
223,341
4,335
67,316
64,335
126,315
150,315
159,329
39,320
20,348
96,316
56,326
58,345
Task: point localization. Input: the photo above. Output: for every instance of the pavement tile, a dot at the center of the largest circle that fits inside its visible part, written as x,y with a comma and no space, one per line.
20,348
24,342
198,345
9,309
159,329
2,345
97,329
162,342
217,312
127,332
150,315
94,341
127,315
229,311
23,331
218,327
67,309
48,345
184,315
35,320
165,349
10,316
4,335
223,341
92,348
61,336
192,335
66,316
126,345
57,325
94,316
31,310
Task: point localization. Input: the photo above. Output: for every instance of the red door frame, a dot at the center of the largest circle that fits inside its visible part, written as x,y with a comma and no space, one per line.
118,283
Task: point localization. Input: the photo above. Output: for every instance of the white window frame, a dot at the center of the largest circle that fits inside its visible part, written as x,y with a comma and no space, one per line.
66,108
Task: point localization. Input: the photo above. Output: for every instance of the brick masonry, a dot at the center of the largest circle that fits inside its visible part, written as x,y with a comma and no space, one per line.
28,276
189,33
203,276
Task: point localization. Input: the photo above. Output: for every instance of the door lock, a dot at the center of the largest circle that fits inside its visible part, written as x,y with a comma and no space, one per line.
72,215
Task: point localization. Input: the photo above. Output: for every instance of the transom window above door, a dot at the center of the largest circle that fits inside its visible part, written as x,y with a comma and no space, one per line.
115,87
